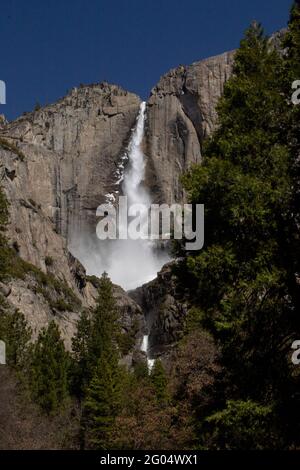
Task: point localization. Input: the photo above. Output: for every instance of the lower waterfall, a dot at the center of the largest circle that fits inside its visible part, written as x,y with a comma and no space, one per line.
145,349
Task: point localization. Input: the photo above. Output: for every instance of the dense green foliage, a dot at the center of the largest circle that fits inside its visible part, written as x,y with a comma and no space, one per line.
244,282
16,335
241,425
103,402
96,336
49,369
160,382
97,356
114,399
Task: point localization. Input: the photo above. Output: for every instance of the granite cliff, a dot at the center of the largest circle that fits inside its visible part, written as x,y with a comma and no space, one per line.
181,113
58,163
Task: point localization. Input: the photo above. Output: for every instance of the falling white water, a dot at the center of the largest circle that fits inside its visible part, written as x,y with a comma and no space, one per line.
134,262
145,349
135,175
129,263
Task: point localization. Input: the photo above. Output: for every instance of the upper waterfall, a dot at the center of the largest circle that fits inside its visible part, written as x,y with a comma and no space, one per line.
135,174
134,262
129,263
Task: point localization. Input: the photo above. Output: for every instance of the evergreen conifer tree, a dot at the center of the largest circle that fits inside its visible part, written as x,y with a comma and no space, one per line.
243,280
80,371
49,369
103,402
160,381
98,349
16,334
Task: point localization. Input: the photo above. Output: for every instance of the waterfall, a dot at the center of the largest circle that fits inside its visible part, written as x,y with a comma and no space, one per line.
129,263
145,349
134,176
135,262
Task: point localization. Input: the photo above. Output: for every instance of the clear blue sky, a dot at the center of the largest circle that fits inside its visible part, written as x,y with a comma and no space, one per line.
49,46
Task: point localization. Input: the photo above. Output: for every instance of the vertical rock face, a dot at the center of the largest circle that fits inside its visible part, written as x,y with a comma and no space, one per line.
164,310
58,163
181,113
63,159
56,166
72,149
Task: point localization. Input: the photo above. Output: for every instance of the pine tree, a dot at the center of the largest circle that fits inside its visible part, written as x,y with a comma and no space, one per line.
291,42
102,382
289,405
80,371
243,281
16,334
105,327
48,369
160,382
96,337
102,404
141,371
291,73
241,425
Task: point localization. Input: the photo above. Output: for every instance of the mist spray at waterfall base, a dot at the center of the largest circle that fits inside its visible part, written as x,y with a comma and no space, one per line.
129,263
